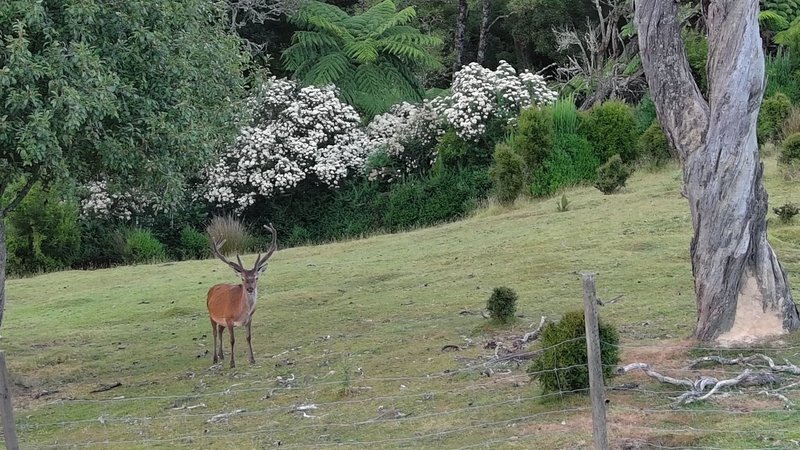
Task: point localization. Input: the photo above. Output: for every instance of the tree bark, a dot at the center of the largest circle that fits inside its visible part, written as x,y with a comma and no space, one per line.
461,29
486,12
742,292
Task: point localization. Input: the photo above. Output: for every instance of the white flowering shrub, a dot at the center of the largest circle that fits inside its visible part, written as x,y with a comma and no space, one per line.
480,94
102,202
402,141
298,135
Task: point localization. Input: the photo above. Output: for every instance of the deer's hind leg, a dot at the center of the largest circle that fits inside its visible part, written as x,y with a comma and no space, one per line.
250,345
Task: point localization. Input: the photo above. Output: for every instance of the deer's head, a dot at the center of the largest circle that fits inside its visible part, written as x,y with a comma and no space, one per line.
249,276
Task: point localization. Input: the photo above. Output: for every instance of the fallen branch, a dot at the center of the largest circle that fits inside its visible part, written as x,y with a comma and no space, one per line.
106,387
749,360
697,388
529,337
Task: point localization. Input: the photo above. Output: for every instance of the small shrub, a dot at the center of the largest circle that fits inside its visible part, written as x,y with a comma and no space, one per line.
563,364
584,160
237,238
507,174
502,304
654,148
645,113
787,212
193,244
696,45
563,204
534,137
790,150
612,175
556,172
611,128
142,247
773,113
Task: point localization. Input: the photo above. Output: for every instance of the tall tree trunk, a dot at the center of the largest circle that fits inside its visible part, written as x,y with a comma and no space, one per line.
486,12
3,259
461,29
742,293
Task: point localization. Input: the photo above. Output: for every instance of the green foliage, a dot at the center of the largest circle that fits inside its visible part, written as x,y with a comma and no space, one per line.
456,153
43,233
790,149
563,204
555,172
502,304
373,57
584,160
697,53
533,139
781,76
612,175
444,196
774,112
792,123
654,148
611,128
645,113
194,244
787,10
787,212
236,235
138,92
533,21
565,116
563,364
772,21
508,174
141,247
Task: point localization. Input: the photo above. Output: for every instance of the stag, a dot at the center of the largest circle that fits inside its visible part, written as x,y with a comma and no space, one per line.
233,305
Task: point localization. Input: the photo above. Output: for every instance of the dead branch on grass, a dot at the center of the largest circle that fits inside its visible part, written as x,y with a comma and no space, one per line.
697,388
749,361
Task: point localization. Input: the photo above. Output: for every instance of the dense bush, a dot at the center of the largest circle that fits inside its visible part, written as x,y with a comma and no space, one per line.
445,196
611,128
570,162
508,174
645,113
502,304
790,150
194,244
774,112
563,364
43,233
534,136
584,160
654,148
565,116
792,123
781,77
612,175
453,152
140,246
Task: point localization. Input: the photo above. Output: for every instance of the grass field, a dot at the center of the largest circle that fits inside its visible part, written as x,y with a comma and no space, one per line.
348,339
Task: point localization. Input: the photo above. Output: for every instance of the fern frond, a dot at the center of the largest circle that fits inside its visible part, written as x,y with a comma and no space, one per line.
409,52
772,20
315,39
400,18
362,51
328,69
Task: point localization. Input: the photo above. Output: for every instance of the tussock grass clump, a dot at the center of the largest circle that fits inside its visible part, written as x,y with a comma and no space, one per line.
563,363
236,235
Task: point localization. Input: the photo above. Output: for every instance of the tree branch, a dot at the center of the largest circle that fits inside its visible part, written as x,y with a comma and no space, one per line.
21,194
682,111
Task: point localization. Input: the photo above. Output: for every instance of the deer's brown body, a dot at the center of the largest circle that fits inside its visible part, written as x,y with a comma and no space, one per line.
233,305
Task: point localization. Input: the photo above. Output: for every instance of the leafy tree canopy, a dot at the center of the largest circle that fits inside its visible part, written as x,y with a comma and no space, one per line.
372,57
131,91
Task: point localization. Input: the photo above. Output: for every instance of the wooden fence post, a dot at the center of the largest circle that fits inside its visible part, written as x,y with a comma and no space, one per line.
596,386
6,410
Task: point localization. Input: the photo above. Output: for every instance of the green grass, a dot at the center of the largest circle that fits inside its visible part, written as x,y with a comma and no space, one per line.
358,327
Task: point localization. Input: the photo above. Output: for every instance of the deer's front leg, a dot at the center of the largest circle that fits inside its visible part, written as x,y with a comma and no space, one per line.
233,340
250,345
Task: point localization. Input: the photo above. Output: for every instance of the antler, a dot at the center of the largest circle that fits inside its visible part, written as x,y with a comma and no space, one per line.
261,262
215,248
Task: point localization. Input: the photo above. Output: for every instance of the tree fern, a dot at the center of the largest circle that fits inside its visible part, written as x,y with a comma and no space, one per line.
373,58
772,20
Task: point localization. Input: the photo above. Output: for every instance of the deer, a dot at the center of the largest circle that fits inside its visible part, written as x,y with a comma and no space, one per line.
233,305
